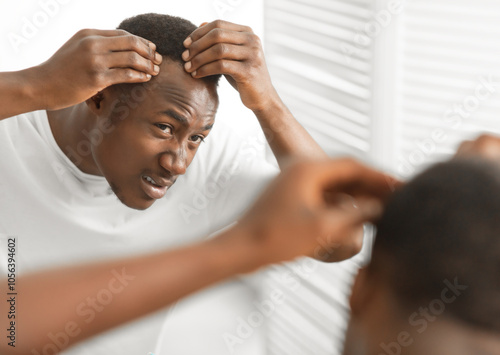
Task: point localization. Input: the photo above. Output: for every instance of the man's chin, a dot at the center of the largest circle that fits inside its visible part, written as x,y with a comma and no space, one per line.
139,205
134,202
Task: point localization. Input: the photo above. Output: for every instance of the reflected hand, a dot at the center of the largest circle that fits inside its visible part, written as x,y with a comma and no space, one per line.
91,61
233,50
486,146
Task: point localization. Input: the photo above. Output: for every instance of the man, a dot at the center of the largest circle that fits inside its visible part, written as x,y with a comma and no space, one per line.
393,347
160,126
289,220
432,285
412,292
75,182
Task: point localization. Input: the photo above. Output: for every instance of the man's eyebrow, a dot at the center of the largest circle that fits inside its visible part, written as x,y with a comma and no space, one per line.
208,127
181,119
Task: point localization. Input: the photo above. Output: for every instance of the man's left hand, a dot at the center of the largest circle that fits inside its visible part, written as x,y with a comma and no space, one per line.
226,48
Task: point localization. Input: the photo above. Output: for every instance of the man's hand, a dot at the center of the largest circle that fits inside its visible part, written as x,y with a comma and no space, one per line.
316,209
226,48
486,146
91,61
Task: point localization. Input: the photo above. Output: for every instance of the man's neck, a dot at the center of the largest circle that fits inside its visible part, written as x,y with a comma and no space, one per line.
442,337
70,128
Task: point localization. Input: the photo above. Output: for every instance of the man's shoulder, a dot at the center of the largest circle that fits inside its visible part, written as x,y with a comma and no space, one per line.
30,120
227,146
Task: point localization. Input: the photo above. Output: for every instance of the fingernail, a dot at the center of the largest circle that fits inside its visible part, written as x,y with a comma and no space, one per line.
187,66
158,57
193,74
185,55
187,42
156,69
152,45
375,209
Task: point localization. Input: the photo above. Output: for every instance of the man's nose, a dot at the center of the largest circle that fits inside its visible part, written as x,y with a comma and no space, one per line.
175,162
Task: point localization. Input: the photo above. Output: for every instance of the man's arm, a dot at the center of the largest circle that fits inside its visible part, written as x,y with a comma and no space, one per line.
89,62
225,48
290,219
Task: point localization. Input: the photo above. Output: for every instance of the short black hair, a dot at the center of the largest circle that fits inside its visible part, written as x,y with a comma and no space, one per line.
445,225
167,32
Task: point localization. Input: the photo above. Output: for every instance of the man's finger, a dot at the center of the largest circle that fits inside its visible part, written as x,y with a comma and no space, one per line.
114,33
125,75
131,60
202,31
106,33
350,244
132,43
225,67
214,37
380,186
350,177
367,210
344,222
464,148
220,51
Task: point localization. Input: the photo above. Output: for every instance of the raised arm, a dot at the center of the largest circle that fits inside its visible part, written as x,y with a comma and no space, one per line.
291,218
226,48
89,62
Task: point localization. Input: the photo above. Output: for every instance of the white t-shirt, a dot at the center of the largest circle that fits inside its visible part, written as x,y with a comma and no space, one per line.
62,216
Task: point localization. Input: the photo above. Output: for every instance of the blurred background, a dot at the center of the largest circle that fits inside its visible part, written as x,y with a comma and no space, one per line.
395,83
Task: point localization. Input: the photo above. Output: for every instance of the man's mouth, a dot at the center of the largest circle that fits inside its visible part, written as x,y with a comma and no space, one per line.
151,180
153,188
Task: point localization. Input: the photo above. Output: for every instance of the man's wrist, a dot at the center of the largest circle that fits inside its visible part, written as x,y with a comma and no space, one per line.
31,89
272,103
274,116
238,250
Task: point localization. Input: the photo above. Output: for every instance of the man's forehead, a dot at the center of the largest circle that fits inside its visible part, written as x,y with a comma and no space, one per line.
175,86
172,76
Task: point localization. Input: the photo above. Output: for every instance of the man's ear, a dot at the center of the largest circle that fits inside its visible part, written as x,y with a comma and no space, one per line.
101,104
363,291
95,103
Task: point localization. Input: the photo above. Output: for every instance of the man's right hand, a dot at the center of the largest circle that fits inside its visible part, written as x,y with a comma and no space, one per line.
89,62
486,146
316,209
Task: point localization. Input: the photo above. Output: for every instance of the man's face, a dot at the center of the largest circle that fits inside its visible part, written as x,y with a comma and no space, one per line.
152,132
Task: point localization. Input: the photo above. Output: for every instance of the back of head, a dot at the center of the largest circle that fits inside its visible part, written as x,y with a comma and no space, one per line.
442,229
167,32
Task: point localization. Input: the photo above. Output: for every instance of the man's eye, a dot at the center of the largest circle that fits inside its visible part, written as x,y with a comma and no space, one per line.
164,127
197,139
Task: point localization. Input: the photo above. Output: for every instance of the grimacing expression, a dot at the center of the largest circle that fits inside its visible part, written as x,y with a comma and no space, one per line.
155,131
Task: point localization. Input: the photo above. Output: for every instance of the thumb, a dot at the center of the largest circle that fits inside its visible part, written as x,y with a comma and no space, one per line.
348,215
367,210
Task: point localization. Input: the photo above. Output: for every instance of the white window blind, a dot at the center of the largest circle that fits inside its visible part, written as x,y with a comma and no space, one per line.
450,50
329,92
421,83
